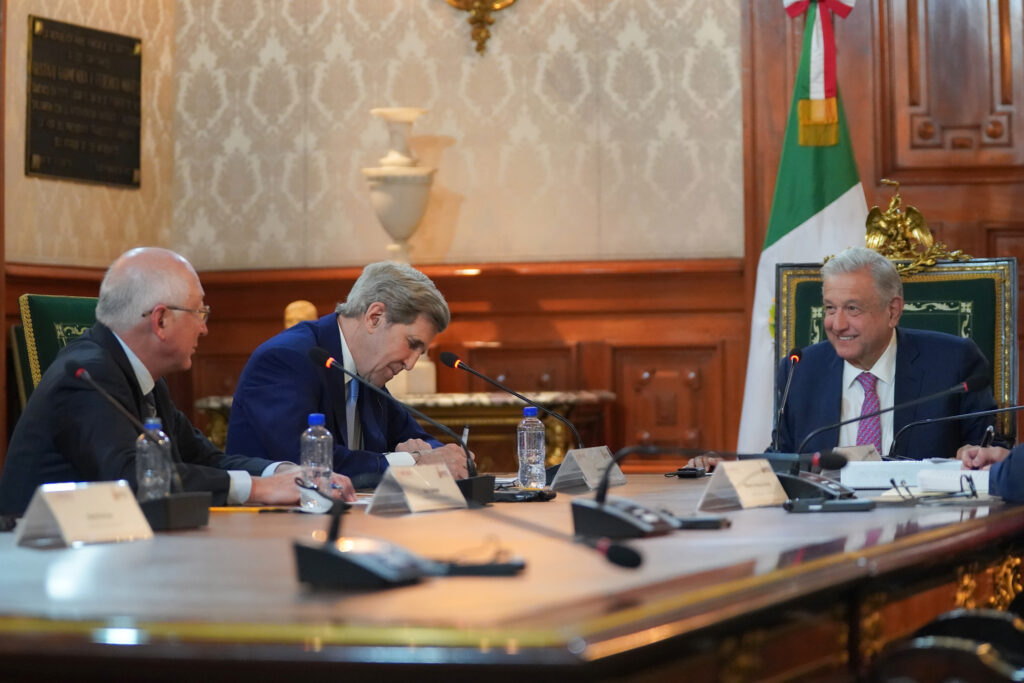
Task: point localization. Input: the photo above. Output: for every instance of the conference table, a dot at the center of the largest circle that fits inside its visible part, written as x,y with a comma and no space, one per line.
776,594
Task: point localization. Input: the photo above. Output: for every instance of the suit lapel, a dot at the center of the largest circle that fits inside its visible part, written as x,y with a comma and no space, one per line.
832,411
328,337
909,377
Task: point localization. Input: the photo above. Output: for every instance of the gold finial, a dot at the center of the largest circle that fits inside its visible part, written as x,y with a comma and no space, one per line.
903,234
480,17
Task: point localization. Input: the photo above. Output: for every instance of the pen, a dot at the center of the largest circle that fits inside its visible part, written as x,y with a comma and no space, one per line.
465,434
990,434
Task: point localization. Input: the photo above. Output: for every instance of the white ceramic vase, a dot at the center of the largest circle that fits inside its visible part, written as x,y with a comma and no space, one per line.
399,187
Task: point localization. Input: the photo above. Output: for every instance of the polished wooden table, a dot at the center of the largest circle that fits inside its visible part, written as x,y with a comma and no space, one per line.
777,594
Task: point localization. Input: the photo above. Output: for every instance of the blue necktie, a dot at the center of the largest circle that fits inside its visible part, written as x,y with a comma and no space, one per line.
352,415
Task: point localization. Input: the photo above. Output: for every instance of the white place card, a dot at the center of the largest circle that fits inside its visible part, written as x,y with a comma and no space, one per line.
416,488
584,467
77,513
742,484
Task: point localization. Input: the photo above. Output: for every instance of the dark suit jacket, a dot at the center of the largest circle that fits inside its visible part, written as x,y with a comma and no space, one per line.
280,386
68,432
926,363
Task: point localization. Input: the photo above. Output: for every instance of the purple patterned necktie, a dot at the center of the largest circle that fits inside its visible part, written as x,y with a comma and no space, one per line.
870,429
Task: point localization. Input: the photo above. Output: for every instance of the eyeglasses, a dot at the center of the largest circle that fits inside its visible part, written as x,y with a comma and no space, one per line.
967,490
203,313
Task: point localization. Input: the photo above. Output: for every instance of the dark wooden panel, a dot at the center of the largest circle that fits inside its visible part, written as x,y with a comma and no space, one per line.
950,86
524,368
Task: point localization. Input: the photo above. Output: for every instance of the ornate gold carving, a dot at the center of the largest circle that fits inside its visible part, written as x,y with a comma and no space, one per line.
1006,582
966,586
480,17
900,234
872,631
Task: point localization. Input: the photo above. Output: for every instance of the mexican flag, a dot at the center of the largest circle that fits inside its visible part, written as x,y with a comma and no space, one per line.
818,208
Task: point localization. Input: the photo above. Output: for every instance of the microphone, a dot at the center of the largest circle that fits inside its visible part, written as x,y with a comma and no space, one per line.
453,361
972,383
180,510
618,517
617,553
949,418
478,489
826,459
795,354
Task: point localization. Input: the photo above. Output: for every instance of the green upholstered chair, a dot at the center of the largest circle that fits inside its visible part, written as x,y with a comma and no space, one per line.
22,373
975,298
49,323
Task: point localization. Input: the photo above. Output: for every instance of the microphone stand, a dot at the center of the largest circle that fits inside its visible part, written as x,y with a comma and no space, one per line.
952,418
477,489
794,357
961,388
453,361
178,510
619,517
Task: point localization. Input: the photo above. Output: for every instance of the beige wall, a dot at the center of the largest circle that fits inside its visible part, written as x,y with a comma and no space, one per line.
74,223
592,129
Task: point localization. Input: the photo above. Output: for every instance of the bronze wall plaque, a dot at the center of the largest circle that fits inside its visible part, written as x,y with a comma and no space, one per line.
84,103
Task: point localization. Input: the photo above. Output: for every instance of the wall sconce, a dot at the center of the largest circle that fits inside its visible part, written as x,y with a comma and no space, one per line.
480,17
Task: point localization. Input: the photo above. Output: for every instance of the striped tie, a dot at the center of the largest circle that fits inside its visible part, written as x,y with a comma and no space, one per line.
352,416
870,429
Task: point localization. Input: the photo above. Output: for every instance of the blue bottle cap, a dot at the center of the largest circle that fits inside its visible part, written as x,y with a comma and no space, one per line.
153,423
530,411
316,419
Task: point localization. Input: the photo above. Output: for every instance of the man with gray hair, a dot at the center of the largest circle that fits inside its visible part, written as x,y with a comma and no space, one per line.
868,363
389,319
150,316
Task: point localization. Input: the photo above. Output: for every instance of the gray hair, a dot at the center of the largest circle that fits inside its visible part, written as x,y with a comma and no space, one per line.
138,281
405,292
887,280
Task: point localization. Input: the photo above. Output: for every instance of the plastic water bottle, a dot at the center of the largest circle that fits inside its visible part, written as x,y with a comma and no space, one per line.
530,439
153,462
317,447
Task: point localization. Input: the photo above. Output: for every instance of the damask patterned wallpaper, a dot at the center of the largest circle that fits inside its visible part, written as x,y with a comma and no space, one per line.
74,223
592,129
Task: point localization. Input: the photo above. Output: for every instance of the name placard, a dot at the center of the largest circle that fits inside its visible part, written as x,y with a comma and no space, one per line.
77,513
416,488
742,484
584,467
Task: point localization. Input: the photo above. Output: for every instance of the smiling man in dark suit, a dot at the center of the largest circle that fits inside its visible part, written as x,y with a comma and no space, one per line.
869,363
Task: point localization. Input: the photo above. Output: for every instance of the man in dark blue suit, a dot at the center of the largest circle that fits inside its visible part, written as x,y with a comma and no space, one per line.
150,316
387,322
863,300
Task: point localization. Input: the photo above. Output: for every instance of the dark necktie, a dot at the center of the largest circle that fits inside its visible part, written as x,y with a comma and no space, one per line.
149,402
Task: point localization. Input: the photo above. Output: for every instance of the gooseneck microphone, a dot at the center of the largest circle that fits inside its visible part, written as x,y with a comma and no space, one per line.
948,418
81,373
972,383
795,354
453,361
476,487
178,510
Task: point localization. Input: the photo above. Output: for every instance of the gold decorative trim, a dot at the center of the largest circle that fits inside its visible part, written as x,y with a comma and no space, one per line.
30,340
480,17
1006,582
966,585
872,631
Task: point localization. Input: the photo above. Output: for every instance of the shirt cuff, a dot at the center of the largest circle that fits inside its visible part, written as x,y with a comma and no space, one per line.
279,467
399,459
240,487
